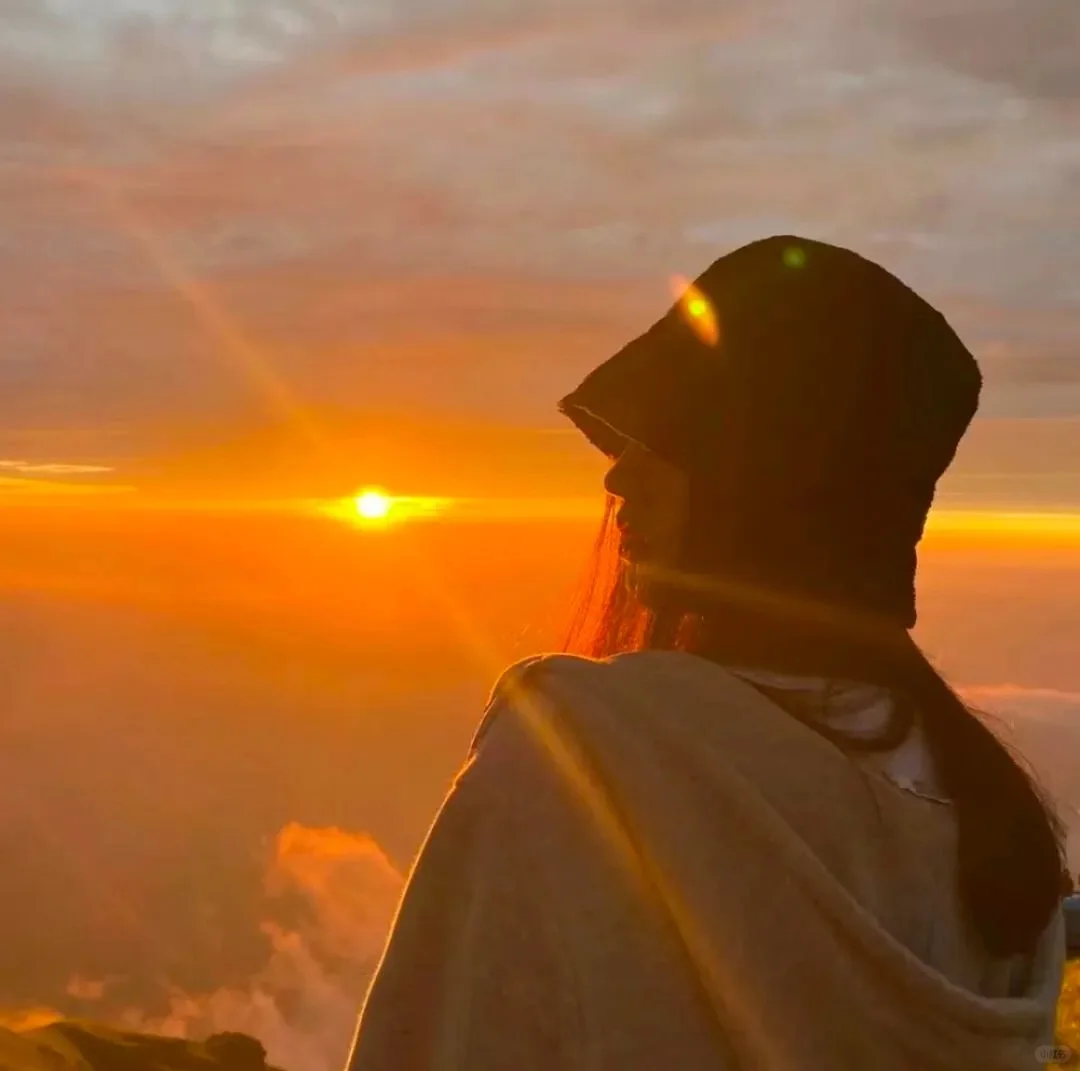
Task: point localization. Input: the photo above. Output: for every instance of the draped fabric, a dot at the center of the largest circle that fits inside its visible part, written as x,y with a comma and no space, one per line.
646,864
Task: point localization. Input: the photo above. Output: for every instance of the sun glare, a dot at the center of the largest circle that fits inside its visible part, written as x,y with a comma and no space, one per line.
375,508
697,310
374,505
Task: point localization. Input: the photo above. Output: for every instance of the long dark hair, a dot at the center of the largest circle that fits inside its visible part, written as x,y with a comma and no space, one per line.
1011,857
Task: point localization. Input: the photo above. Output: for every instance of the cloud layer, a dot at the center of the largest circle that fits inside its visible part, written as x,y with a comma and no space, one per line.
315,183
302,1004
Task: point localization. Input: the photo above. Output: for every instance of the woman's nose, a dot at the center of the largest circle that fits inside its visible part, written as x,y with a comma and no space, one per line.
615,481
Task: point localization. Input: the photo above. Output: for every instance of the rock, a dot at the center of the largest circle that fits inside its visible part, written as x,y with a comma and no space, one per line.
236,1052
80,1046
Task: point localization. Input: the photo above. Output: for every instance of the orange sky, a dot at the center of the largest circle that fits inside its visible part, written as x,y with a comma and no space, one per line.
235,217
196,666
1017,464
258,256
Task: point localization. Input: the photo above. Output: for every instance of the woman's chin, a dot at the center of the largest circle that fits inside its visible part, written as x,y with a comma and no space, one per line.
643,578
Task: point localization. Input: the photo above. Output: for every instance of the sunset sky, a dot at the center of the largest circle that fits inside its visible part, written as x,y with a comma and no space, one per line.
220,219
256,255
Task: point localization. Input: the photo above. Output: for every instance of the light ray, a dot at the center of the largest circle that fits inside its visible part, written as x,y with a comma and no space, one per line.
573,769
208,312
1004,522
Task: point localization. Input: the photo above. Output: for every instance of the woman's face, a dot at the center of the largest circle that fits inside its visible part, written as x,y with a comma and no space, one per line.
654,499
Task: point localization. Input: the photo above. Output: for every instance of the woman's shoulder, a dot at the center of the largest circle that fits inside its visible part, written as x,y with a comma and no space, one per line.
529,673
619,668
525,681
622,681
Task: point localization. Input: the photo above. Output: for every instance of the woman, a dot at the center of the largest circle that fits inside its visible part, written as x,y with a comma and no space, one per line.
748,826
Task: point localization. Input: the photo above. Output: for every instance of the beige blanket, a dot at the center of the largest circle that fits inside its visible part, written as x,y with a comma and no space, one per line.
647,865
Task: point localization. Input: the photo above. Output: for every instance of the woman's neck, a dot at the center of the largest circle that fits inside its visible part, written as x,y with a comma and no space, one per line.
788,644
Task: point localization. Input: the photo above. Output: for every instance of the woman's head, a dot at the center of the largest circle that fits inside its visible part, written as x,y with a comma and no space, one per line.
810,426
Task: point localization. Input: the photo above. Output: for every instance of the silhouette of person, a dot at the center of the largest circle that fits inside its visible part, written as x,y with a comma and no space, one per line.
742,822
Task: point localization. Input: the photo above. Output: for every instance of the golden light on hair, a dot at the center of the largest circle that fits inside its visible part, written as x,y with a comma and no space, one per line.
697,310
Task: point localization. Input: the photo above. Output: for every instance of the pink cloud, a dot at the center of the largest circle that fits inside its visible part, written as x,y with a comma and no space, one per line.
302,1004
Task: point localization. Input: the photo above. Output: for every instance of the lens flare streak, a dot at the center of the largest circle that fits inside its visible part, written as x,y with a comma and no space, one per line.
697,310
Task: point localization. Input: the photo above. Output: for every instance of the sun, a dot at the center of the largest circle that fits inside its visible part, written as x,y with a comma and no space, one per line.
373,505
375,509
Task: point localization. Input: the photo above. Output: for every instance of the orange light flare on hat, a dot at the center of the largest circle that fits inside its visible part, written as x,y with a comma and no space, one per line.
697,310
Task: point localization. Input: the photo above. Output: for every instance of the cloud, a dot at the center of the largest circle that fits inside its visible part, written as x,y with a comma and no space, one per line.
317,171
12,487
350,885
88,989
28,1018
1028,352
302,1004
111,41
1029,45
53,468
